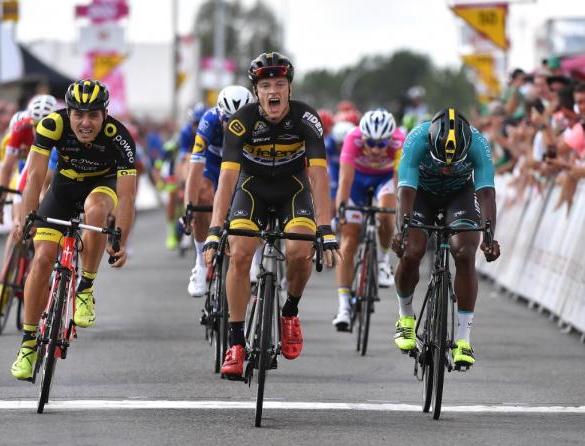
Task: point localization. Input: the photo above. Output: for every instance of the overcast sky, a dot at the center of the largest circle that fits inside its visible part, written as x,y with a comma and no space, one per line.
321,33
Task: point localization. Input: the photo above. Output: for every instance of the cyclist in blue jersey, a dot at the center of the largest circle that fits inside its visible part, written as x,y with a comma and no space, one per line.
447,168
204,172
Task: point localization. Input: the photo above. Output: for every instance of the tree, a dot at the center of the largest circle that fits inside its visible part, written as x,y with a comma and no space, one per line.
249,31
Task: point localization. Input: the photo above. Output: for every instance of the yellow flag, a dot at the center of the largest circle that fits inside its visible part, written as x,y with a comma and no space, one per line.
10,10
487,19
483,64
104,64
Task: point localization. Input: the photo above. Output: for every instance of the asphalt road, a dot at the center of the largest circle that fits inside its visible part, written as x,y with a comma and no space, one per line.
143,375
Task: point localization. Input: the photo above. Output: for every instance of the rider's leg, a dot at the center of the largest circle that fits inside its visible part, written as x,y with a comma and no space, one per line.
385,232
197,281
299,265
36,293
463,248
238,281
350,233
407,271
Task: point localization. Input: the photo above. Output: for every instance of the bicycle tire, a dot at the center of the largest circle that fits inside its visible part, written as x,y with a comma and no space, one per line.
371,288
224,314
9,287
425,357
265,340
361,291
20,314
50,361
440,345
214,314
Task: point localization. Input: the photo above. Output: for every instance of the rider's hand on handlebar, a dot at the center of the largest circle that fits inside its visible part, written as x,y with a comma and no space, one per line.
491,252
120,255
211,244
331,254
397,245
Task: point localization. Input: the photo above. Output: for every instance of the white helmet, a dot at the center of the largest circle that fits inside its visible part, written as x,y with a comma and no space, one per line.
232,98
41,105
377,124
340,130
18,116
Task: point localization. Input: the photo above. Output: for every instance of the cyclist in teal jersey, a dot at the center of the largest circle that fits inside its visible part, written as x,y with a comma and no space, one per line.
446,168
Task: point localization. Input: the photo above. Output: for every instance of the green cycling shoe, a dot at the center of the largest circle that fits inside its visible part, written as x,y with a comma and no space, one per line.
24,365
405,337
463,353
84,309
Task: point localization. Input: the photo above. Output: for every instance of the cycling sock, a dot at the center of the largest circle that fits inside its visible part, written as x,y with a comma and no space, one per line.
291,306
86,281
343,296
405,305
236,333
199,252
29,337
383,255
464,321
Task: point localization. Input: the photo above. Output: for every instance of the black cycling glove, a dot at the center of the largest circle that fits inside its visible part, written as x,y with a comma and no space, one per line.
328,237
212,240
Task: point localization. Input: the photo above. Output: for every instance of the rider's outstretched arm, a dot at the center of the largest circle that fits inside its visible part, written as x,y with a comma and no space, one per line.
320,185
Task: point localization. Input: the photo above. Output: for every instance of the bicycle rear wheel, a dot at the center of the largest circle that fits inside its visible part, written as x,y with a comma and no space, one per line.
440,345
219,313
54,328
265,343
9,287
371,288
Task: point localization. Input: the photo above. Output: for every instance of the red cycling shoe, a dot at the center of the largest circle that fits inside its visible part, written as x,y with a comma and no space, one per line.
292,337
233,364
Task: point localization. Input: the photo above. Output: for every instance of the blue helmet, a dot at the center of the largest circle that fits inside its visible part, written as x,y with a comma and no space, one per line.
196,113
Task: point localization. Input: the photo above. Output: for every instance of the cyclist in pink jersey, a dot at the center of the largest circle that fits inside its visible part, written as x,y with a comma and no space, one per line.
369,157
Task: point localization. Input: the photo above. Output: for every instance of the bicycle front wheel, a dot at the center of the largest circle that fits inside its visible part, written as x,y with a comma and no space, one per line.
361,290
265,342
440,345
9,287
371,291
54,329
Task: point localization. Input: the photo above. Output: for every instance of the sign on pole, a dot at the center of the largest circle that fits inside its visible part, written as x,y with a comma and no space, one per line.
489,20
10,10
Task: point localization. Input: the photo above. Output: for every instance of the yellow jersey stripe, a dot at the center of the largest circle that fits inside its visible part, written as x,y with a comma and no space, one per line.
318,162
40,150
230,165
80,176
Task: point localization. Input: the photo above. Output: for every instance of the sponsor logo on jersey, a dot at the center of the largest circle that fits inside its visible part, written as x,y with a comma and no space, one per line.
236,127
110,129
126,147
257,140
313,123
303,212
287,125
259,128
204,124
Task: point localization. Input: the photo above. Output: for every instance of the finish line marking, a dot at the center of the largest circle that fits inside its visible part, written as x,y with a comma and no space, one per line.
193,405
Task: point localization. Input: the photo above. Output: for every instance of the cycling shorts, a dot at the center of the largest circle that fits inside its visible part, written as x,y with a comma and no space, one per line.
65,199
290,196
212,168
461,208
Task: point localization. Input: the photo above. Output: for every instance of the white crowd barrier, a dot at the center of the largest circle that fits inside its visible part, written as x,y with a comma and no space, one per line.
543,249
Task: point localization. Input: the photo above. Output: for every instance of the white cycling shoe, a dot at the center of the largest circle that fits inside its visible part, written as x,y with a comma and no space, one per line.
342,320
385,276
197,282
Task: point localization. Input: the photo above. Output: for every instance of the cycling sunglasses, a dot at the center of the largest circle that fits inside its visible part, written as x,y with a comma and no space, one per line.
378,143
273,71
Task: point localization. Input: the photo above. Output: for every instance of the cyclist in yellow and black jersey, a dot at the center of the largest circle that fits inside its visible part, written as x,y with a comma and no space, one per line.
95,175
271,149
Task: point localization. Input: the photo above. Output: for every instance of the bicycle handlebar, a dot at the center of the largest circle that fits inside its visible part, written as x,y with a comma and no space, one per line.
185,220
364,209
407,223
270,235
6,190
74,223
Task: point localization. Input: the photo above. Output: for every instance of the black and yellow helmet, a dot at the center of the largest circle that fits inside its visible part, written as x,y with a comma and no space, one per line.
449,136
86,95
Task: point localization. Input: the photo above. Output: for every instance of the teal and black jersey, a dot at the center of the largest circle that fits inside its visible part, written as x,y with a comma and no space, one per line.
419,169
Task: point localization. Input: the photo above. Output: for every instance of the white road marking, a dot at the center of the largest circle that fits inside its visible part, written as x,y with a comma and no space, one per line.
194,405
